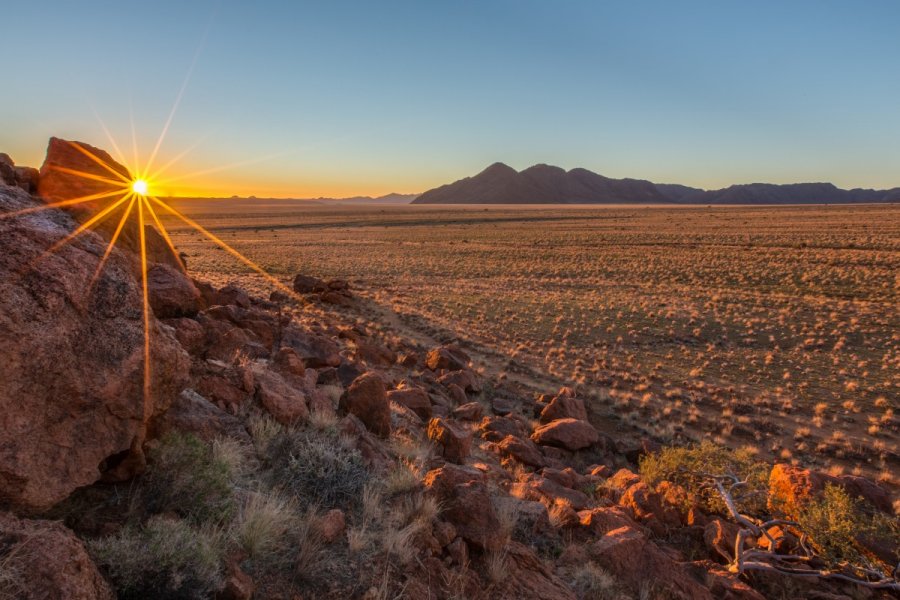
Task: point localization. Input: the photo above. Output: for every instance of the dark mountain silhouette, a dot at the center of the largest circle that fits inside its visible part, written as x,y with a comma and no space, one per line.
546,184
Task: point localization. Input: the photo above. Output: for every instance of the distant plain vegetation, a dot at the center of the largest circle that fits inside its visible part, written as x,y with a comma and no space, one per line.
772,328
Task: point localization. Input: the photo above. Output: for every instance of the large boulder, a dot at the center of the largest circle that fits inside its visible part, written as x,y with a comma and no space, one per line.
366,399
75,170
42,560
570,434
72,402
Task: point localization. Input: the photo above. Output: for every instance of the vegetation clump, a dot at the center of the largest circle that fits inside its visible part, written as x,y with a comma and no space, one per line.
165,558
317,468
696,467
188,477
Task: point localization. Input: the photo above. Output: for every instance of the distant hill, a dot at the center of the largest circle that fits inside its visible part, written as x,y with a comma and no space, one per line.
386,199
546,184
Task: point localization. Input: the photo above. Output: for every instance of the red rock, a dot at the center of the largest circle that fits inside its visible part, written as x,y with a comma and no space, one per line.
459,552
570,434
375,354
453,441
466,505
238,585
564,406
501,405
600,521
444,533
71,395
529,578
366,398
523,450
415,399
284,402
190,335
314,350
372,451
307,284
457,394
193,413
336,298
471,411
635,560
332,525
868,490
54,185
172,293
494,429
464,378
450,358
47,562
644,503
720,537
288,363
623,479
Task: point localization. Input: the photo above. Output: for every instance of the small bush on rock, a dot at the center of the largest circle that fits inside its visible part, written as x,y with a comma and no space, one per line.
165,559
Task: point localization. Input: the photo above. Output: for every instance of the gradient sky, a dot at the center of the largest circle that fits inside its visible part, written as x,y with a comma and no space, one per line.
344,98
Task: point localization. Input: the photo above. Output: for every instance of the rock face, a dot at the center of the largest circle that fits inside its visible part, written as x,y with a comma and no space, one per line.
47,562
71,395
366,399
570,434
58,182
172,293
454,441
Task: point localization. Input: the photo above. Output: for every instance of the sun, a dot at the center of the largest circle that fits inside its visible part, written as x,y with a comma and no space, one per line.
139,187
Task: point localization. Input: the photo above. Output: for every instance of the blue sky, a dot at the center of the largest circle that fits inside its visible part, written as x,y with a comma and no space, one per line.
342,98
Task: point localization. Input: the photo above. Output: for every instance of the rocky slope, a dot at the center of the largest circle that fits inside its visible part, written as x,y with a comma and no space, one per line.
290,450
545,184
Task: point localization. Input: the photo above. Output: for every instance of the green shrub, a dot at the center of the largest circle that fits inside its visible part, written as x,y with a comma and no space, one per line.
836,522
187,476
165,559
691,466
317,468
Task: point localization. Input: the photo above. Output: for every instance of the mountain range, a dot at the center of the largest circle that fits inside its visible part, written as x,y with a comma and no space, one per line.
546,184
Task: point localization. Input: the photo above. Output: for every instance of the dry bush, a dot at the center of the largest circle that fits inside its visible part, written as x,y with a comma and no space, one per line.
592,582
263,522
317,468
165,559
189,477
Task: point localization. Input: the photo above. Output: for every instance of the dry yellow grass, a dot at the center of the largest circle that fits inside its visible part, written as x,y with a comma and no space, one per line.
776,327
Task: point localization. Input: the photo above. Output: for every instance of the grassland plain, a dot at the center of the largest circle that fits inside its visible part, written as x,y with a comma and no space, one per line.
771,327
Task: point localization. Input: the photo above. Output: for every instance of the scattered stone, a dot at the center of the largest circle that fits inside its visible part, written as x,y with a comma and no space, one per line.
415,399
366,398
471,411
453,441
570,434
564,406
450,358
332,525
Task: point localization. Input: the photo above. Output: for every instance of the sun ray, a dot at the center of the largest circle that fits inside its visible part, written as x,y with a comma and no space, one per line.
134,145
83,227
89,176
179,156
97,160
146,294
113,240
120,156
60,204
222,244
164,233
212,170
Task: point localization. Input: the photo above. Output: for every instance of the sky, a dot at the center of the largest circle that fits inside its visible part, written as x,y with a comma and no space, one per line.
333,98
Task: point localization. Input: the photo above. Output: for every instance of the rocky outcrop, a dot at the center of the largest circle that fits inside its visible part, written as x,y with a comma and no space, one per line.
72,402
42,560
